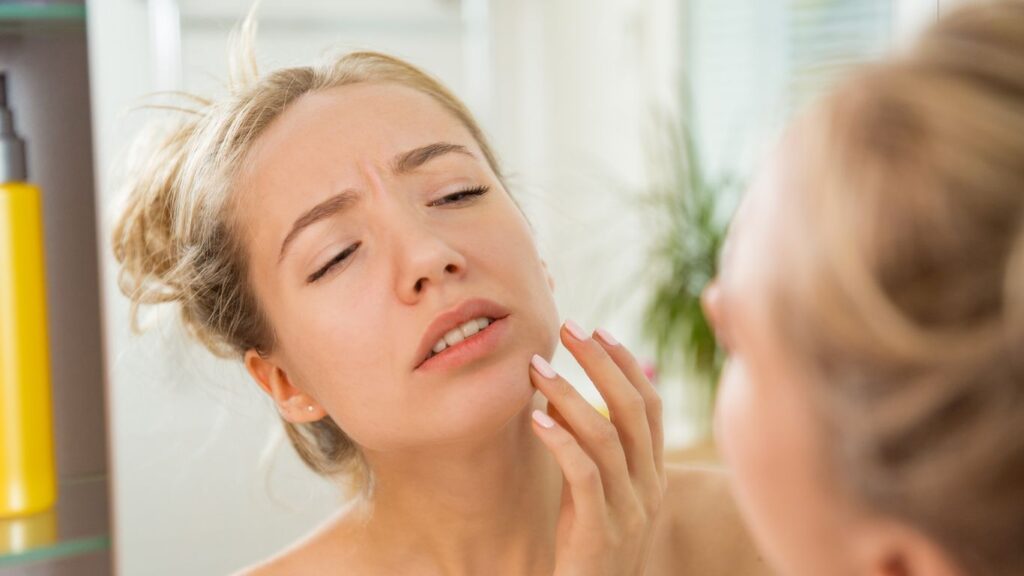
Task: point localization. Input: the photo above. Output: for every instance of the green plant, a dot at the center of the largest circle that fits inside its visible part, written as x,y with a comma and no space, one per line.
690,212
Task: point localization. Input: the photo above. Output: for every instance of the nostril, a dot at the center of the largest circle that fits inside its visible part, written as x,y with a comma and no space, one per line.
449,268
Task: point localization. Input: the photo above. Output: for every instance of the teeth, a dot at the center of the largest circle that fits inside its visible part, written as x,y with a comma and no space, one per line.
460,333
454,337
469,328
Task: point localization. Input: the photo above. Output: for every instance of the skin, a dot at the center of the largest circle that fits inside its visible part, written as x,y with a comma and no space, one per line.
769,431
468,481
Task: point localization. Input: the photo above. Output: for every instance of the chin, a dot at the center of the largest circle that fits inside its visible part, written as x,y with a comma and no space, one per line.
484,404
482,401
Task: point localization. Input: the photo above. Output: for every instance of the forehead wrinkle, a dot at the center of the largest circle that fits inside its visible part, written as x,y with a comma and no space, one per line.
372,175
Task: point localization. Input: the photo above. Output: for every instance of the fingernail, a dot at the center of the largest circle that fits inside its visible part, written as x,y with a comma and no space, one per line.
575,330
543,419
541,365
607,337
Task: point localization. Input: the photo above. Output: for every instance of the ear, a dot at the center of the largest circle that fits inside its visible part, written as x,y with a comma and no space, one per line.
547,274
293,404
898,550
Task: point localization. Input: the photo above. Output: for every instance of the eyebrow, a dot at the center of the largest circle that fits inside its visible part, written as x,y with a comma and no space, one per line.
413,159
403,163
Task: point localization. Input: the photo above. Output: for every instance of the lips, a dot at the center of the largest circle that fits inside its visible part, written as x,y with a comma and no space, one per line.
460,314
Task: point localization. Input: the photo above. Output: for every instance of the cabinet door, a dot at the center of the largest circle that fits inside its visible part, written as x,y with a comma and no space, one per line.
192,495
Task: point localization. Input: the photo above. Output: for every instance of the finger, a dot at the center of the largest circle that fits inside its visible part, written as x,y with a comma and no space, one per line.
594,433
626,406
557,417
652,400
580,472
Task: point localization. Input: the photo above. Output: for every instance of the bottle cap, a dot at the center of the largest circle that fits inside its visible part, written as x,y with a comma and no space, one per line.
13,167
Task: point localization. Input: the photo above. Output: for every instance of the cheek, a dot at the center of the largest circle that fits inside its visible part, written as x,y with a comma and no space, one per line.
348,361
509,253
502,238
737,426
770,442
747,433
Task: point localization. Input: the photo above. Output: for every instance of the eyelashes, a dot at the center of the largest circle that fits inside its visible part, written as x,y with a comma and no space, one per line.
460,197
334,261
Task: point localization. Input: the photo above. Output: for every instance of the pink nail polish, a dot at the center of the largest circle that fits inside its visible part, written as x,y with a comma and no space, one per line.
542,366
575,330
607,337
543,419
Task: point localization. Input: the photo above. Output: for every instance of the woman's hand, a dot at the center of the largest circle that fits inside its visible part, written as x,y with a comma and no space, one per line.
614,476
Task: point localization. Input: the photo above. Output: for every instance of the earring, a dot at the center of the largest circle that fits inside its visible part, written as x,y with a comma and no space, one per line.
309,408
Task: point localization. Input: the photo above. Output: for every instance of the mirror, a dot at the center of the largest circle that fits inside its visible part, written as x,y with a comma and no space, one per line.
575,97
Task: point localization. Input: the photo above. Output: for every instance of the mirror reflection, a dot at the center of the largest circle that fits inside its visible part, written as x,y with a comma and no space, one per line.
455,287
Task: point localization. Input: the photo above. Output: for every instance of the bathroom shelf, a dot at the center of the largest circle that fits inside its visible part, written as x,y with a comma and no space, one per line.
76,526
20,18
44,50
41,12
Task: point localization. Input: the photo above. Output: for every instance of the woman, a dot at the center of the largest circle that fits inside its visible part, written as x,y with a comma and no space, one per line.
344,230
872,301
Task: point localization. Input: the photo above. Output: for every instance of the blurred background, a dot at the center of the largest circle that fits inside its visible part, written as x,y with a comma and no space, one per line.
628,128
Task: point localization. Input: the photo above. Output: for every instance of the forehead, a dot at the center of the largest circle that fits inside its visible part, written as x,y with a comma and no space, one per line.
751,257
745,254
366,122
328,140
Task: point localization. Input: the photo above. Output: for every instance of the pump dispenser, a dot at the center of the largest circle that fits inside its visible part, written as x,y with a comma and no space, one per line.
27,465
13,167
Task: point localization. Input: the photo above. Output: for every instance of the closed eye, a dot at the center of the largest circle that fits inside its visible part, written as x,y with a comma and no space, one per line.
454,198
461,196
336,260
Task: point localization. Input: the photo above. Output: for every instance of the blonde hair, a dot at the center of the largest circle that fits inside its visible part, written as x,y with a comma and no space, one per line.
177,240
902,282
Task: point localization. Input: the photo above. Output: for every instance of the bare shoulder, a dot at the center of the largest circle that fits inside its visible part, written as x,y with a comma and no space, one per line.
266,568
701,530
700,495
284,563
300,558
330,544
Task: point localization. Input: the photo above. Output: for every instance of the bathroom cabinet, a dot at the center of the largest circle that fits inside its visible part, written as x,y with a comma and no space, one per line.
43,49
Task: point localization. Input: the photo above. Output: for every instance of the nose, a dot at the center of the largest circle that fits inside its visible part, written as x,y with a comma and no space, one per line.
711,304
425,260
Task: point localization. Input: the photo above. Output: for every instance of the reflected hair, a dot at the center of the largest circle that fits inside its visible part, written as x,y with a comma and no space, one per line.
902,282
177,239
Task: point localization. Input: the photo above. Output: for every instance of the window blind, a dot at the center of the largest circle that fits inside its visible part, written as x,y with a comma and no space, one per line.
753,63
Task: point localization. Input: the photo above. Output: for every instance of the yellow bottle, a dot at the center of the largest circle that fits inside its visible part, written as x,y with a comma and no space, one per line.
27,467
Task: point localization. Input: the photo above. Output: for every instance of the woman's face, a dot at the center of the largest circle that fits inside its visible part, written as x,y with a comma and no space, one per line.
766,425
385,183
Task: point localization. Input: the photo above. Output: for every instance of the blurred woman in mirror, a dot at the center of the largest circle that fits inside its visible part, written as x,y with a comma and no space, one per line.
872,302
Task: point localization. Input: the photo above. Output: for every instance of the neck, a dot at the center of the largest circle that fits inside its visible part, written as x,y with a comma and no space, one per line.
469,508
